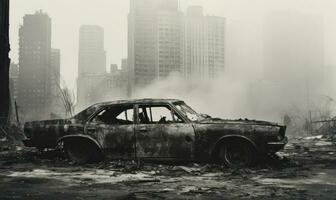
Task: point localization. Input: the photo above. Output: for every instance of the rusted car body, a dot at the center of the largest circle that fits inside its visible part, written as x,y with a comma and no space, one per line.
159,129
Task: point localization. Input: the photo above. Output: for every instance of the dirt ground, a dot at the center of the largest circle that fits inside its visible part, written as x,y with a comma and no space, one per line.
306,169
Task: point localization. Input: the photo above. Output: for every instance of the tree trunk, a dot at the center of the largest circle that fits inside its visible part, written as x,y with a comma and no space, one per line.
4,62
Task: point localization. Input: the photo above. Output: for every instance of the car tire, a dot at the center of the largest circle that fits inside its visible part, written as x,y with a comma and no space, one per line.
236,154
82,152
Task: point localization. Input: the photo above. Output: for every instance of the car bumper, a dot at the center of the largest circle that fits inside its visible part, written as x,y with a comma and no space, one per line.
276,146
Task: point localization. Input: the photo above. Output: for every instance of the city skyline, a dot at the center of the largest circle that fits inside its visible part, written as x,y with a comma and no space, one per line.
245,53
116,42
69,78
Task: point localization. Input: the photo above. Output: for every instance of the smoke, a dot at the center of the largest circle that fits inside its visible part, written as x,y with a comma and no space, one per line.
223,96
276,69
232,98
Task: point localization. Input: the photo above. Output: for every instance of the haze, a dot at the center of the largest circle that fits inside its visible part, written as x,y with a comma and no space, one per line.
246,24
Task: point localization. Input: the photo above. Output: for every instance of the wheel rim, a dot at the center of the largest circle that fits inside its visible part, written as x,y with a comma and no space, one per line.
80,155
236,155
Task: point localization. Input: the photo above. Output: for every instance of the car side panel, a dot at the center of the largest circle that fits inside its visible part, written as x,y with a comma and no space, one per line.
117,141
169,141
207,136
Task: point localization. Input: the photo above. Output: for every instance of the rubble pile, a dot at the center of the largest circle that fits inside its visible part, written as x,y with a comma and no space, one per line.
303,170
10,138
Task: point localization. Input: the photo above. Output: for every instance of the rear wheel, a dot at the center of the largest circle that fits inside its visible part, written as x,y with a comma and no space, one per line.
236,154
82,151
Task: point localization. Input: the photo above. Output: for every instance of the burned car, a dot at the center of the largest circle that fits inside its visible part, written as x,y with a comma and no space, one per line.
156,129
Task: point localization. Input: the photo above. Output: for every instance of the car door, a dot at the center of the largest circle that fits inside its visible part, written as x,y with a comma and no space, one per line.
113,128
162,134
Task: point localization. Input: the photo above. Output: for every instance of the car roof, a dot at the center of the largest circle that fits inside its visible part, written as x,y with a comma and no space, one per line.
139,101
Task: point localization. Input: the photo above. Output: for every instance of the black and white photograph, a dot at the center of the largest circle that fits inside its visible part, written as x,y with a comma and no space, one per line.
167,99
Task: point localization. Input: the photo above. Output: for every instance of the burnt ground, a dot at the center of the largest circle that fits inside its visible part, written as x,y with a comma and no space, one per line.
306,169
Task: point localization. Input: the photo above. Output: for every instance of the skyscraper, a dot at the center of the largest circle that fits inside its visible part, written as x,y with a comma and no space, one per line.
204,42
91,63
55,63
92,56
35,66
155,29
57,107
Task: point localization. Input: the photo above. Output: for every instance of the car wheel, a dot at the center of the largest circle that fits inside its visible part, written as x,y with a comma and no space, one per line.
236,154
82,152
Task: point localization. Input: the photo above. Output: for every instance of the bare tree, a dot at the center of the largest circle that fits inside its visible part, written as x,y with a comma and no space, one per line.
68,99
4,61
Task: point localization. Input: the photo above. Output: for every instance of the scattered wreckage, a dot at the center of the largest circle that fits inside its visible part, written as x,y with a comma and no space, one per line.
156,129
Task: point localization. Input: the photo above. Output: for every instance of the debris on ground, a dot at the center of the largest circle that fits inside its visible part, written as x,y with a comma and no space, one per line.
10,138
305,169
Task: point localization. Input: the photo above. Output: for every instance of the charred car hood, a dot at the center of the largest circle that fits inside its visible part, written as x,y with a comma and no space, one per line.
238,121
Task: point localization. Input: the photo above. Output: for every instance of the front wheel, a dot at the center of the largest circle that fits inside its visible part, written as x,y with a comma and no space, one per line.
82,151
236,154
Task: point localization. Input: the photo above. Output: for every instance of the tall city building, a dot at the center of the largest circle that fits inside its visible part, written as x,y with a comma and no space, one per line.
91,63
204,42
155,29
57,106
55,64
35,66
91,56
95,88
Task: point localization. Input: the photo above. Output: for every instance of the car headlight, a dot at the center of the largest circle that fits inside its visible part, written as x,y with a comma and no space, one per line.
280,137
66,128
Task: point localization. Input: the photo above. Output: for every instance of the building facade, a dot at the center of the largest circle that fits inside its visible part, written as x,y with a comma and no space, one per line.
91,63
155,29
57,105
204,44
35,66
96,88
162,41
92,55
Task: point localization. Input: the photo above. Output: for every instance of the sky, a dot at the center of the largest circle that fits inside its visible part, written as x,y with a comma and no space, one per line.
245,56
244,18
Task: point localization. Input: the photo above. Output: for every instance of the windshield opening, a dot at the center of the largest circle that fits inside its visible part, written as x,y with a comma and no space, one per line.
85,114
188,112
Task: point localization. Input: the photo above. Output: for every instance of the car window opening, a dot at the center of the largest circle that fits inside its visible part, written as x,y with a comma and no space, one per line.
158,115
115,115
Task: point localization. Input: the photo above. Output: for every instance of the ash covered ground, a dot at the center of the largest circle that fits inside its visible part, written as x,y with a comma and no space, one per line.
305,169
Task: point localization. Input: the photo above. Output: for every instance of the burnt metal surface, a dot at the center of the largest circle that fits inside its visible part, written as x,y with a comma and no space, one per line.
165,140
116,140
184,140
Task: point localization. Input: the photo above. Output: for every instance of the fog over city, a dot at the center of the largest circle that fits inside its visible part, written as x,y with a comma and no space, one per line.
279,55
